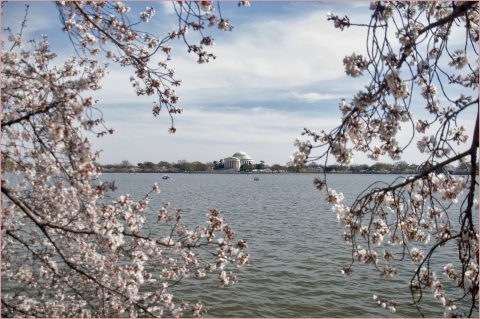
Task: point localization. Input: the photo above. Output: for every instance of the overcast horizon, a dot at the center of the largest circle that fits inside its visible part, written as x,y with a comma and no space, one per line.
278,71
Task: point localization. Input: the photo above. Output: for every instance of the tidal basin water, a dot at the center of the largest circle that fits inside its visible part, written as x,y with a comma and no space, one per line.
294,244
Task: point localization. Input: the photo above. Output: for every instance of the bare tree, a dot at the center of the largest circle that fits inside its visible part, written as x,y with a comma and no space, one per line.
416,53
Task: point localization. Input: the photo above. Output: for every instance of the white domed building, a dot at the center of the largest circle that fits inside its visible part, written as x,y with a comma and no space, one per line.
238,159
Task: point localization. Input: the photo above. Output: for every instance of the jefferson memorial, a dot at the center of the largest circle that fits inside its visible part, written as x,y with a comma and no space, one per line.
237,160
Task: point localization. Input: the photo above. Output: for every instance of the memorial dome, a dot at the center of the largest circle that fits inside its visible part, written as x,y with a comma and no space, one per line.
241,155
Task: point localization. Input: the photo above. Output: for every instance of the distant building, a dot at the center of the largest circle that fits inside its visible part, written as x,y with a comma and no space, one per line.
237,160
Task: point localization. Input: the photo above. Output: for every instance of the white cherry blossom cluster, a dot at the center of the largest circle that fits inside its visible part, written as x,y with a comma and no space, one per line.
355,64
300,156
459,59
333,197
397,87
385,303
338,22
421,126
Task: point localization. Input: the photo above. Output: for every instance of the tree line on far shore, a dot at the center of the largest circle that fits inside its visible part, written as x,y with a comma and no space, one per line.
181,166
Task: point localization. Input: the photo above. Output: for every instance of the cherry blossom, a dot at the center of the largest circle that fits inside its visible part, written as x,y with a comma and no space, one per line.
410,57
70,247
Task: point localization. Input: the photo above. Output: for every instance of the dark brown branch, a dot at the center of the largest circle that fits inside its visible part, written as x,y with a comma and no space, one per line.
25,208
428,171
12,308
457,12
30,114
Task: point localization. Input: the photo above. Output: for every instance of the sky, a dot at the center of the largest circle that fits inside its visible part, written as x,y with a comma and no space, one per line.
278,71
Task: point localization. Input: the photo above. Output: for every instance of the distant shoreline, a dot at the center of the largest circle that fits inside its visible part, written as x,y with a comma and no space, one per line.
267,173
163,167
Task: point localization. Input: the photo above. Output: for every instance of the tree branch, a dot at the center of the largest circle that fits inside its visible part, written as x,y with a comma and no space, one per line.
457,12
428,171
29,115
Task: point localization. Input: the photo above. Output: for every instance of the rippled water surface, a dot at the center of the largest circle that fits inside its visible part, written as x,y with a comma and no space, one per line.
294,245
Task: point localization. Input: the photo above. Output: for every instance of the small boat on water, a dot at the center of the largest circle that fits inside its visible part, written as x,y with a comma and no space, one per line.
256,178
165,177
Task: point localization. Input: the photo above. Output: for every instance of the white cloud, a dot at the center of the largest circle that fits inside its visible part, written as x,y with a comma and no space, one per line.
311,97
259,60
256,61
117,88
273,54
166,7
